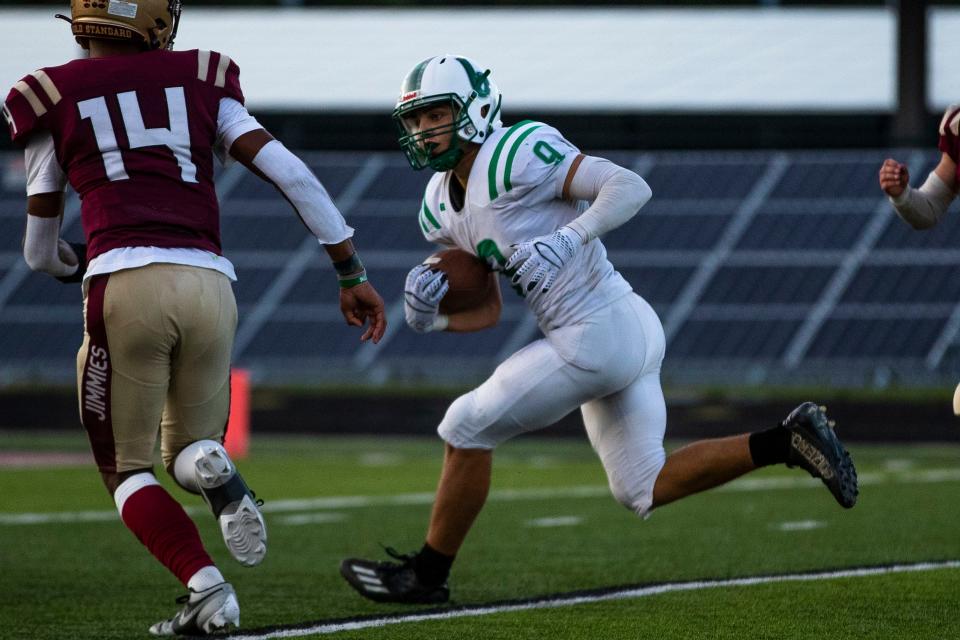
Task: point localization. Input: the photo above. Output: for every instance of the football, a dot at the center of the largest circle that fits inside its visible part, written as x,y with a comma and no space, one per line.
469,279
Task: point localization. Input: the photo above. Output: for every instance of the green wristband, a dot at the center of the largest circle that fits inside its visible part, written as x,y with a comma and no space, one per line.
352,282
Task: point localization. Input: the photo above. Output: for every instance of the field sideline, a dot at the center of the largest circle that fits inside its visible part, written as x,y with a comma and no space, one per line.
550,529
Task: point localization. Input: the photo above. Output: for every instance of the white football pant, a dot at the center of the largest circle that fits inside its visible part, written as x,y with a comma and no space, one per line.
609,366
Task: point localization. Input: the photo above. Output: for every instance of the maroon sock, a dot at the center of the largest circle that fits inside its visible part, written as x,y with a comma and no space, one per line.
164,528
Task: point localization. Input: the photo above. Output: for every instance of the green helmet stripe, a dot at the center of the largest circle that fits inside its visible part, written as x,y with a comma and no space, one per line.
412,82
513,154
492,169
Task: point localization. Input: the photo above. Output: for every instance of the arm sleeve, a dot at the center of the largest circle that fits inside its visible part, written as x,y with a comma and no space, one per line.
303,190
44,174
42,247
617,195
922,208
233,120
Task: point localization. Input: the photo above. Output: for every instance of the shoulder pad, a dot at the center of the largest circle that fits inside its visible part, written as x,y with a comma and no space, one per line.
951,120
28,101
525,156
220,71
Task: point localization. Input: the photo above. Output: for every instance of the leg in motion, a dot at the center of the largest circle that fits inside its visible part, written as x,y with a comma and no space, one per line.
162,526
804,439
196,412
123,377
530,390
205,468
421,578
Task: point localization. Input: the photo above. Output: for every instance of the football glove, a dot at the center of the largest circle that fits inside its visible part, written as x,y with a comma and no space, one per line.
422,293
537,262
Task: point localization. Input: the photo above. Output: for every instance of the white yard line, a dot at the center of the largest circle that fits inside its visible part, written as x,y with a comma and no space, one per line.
928,476
626,593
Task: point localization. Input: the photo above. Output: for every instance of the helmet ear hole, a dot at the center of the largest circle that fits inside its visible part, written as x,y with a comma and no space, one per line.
484,111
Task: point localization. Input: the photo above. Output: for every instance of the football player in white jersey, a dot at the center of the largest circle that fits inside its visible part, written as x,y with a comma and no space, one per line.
509,195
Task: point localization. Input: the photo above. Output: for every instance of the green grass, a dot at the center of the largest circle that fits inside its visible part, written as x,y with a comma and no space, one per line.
94,580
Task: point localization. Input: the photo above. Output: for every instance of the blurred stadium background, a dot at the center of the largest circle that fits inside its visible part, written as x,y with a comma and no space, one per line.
768,249
779,270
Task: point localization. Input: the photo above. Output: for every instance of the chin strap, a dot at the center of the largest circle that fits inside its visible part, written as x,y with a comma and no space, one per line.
63,17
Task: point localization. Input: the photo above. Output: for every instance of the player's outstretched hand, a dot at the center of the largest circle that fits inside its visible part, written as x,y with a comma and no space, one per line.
361,303
537,262
894,177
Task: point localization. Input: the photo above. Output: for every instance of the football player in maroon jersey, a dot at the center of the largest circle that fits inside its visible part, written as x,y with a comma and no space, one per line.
922,208
134,129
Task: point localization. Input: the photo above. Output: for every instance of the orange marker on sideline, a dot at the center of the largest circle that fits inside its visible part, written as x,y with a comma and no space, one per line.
237,441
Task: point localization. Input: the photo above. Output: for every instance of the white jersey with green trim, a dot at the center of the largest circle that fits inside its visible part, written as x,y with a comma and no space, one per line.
514,194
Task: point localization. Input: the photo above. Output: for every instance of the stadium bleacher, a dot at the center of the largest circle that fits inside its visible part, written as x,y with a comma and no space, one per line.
782,267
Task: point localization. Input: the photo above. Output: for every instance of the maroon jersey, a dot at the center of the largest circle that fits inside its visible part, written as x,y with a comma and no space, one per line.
135,136
950,135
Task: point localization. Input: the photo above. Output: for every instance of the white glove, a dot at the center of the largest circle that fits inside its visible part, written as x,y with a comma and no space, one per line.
421,299
538,261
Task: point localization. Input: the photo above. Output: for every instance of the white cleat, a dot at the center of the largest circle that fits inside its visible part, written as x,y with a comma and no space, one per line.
233,504
210,611
244,531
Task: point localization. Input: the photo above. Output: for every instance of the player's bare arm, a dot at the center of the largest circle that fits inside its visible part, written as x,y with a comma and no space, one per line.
266,157
359,301
45,205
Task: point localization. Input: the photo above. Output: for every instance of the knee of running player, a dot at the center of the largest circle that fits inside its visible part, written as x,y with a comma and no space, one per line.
467,425
204,467
632,486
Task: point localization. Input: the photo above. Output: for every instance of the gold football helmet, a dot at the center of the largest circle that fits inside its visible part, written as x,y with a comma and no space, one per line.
151,23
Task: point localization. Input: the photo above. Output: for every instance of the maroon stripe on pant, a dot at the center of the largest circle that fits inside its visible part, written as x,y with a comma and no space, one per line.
226,425
95,384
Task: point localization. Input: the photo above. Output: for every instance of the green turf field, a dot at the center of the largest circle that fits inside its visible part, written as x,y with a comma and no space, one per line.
550,527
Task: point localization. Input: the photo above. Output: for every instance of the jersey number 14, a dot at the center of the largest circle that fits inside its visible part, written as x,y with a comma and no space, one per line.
176,138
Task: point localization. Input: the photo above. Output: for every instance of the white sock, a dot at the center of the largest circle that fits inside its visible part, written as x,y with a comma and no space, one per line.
205,578
130,486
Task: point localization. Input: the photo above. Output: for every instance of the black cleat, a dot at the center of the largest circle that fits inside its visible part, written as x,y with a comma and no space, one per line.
815,447
391,581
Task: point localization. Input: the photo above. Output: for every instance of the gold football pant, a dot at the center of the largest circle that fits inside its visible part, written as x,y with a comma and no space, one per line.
155,357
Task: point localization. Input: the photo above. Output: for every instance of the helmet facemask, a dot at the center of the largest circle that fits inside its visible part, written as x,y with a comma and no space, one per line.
420,153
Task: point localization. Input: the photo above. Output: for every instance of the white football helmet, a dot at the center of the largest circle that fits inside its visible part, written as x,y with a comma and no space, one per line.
475,100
